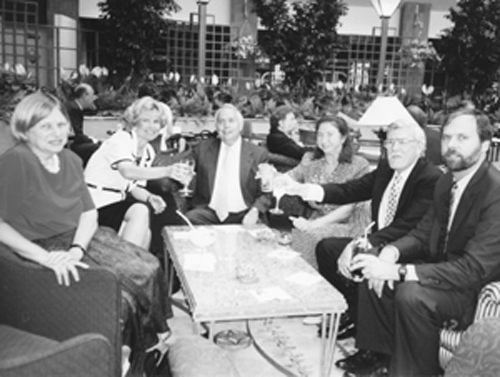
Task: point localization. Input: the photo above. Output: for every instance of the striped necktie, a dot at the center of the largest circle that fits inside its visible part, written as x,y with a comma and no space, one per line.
392,202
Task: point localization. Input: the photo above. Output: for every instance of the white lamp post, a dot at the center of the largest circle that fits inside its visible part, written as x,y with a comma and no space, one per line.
202,23
385,9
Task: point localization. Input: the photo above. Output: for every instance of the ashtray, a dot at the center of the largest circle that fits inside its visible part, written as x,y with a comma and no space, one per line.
246,274
263,235
232,339
285,239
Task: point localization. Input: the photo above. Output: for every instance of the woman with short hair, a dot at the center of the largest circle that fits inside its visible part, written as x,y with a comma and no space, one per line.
47,216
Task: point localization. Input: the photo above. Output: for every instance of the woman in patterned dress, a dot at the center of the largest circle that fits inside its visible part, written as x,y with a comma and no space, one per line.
47,216
333,161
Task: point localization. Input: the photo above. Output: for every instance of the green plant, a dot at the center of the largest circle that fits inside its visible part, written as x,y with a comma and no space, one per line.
417,53
133,29
15,83
300,36
470,50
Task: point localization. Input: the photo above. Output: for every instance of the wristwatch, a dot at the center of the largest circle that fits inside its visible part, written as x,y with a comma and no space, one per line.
402,271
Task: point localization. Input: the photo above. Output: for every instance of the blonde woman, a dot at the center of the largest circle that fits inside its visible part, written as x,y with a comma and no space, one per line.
117,172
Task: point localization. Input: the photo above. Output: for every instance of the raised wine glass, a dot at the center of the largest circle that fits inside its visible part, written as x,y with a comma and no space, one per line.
278,193
186,191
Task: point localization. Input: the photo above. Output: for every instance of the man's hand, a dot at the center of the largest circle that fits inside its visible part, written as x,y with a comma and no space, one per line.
251,217
373,267
344,261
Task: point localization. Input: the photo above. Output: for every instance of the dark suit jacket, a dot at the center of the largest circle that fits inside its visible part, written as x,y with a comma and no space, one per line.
472,258
206,155
76,120
278,142
415,198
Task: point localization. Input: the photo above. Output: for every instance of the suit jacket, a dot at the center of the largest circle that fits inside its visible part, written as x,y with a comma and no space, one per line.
278,142
415,198
75,114
472,258
206,155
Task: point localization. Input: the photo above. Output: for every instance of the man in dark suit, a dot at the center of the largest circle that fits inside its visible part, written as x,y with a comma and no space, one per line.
226,190
433,150
400,190
283,137
83,99
452,253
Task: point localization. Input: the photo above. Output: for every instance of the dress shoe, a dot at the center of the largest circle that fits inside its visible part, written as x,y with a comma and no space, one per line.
346,331
363,362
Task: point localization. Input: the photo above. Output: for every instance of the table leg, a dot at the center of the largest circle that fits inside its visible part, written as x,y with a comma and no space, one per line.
328,342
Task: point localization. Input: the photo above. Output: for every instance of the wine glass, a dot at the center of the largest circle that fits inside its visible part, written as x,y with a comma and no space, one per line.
278,193
186,191
266,173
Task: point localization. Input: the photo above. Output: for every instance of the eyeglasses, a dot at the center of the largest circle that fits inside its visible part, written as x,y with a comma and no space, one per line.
391,143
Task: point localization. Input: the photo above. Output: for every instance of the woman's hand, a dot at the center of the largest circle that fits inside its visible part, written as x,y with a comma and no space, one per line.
303,224
157,203
63,264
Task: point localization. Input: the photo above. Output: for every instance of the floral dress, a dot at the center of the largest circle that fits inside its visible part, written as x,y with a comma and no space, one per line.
313,171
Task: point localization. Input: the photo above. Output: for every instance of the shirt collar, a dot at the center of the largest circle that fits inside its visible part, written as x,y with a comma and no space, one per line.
406,172
233,148
464,181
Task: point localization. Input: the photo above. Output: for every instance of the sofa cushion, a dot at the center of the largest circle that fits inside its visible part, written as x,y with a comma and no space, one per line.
194,356
478,353
16,343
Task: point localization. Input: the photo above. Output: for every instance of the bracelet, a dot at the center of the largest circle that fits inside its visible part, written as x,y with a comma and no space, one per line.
78,246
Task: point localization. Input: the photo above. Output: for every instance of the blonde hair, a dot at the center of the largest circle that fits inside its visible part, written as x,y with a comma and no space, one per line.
31,110
130,117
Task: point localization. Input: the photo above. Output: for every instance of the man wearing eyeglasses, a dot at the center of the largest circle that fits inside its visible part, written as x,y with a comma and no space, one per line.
434,273
400,190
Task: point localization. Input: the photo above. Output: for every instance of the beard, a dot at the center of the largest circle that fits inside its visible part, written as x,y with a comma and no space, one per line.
458,162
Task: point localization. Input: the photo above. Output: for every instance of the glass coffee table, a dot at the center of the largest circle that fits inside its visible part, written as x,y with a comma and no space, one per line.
231,272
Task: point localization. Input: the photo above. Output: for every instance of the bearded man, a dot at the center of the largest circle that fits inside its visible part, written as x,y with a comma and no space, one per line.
437,270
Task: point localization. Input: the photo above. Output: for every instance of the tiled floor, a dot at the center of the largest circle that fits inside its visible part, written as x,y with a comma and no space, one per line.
287,341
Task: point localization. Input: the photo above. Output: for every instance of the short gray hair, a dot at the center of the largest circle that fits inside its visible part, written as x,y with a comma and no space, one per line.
228,106
412,126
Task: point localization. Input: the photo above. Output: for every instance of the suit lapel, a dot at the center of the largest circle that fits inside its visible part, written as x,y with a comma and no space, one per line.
469,198
244,164
407,190
212,160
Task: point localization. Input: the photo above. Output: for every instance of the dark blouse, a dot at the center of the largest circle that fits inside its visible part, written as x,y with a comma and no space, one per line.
39,204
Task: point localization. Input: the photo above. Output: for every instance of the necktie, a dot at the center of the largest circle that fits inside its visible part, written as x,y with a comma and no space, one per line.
445,219
392,202
220,199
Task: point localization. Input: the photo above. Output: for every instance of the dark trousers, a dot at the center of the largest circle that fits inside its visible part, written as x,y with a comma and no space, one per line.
328,252
205,215
405,324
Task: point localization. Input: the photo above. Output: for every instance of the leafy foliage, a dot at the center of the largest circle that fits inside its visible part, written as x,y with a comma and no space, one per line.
301,37
470,50
132,29
15,83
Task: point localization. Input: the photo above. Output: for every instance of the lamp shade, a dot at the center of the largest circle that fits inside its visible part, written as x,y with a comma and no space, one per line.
384,111
386,8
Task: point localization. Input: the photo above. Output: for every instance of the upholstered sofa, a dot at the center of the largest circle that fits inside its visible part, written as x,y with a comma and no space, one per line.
488,306
52,330
479,351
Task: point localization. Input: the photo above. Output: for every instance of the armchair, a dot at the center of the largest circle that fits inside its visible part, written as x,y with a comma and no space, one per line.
488,306
48,326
